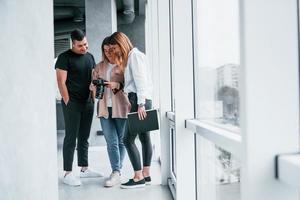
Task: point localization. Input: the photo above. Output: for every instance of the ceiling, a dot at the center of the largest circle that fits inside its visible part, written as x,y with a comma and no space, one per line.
70,14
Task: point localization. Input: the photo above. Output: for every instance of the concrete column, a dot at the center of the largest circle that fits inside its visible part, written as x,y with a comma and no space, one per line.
28,157
101,21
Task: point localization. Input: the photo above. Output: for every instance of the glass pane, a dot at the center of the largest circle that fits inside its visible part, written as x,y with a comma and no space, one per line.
218,172
217,62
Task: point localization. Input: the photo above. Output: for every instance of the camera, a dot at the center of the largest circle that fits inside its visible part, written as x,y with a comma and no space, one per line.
100,86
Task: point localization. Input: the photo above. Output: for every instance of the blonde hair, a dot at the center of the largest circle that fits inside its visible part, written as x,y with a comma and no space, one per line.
120,39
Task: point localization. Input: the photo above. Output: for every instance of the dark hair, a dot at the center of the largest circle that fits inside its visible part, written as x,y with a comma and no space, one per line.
106,41
77,34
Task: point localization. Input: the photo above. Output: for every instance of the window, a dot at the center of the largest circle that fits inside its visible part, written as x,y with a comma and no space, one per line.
217,62
218,172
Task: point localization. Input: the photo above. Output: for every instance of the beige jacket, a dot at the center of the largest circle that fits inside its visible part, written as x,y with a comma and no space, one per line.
120,103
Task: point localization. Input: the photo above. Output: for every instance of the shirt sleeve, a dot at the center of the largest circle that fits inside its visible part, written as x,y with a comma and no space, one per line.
62,62
93,62
139,71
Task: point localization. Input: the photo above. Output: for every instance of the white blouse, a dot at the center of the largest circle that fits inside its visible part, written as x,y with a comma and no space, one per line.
138,76
109,92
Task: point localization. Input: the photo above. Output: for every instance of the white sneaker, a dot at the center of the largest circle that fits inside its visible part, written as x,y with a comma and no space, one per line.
114,179
89,173
71,180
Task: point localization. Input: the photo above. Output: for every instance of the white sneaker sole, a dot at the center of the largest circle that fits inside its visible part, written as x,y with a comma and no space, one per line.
90,176
75,185
108,186
111,185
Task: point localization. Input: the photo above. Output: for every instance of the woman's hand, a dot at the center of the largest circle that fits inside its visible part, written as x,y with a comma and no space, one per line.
112,85
142,112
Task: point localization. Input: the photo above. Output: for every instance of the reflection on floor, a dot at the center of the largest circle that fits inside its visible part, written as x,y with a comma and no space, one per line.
93,189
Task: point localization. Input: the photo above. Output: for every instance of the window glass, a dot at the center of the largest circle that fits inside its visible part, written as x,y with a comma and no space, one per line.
218,172
217,62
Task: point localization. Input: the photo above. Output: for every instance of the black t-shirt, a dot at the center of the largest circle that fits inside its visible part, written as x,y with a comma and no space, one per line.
79,68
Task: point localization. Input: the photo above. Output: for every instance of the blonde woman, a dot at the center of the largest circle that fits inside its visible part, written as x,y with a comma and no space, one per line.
138,85
112,111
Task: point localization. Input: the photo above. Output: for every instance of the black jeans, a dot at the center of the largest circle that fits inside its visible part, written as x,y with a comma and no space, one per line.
145,139
78,119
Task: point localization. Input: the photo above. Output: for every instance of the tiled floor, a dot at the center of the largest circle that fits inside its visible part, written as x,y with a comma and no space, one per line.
92,189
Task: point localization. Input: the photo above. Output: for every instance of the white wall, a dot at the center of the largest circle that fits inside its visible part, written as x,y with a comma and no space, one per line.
270,94
28,163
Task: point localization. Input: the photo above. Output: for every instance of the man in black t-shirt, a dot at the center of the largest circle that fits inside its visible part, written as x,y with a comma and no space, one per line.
74,71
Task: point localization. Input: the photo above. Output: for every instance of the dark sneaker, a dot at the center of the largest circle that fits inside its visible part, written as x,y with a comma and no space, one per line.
148,180
132,184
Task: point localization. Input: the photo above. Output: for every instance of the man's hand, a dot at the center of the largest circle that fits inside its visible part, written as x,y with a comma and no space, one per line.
92,87
66,100
142,112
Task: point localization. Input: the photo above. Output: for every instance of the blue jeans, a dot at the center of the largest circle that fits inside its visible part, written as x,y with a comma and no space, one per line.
113,130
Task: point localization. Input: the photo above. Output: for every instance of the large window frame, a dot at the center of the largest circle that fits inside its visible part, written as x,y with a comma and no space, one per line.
269,59
213,132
